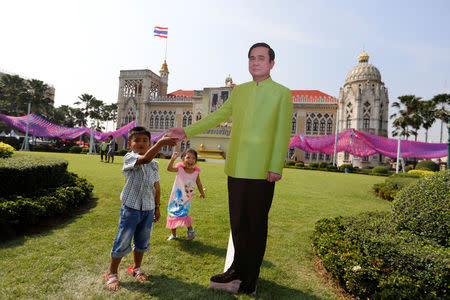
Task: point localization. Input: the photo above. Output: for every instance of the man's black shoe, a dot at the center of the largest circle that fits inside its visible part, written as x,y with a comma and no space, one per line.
225,277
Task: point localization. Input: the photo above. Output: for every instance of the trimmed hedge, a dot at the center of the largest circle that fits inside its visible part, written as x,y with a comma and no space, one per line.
427,165
380,170
424,208
373,260
18,212
391,186
24,175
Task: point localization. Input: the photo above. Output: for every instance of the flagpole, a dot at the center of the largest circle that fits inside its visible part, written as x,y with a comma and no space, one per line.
165,53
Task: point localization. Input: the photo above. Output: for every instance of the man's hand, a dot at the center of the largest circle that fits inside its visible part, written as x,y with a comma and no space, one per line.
157,215
273,177
177,133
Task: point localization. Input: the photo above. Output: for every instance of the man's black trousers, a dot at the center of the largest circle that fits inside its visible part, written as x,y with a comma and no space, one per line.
249,205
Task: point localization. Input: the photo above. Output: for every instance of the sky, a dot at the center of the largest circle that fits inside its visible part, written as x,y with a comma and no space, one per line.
81,46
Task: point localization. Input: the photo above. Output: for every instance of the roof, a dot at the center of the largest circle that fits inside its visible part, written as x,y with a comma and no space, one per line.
312,96
182,93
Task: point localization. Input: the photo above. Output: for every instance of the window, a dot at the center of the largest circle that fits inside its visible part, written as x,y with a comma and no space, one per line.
348,122
366,122
322,126
188,145
161,122
294,126
291,152
184,121
321,156
190,120
307,155
315,125
329,126
151,122
167,122
346,156
365,158
314,156
327,157
182,146
156,121
308,125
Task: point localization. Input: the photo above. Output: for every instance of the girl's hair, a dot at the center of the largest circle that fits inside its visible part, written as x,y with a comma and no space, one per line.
190,150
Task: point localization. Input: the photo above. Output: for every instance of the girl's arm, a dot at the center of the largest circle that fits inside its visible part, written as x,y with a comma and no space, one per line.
170,166
157,203
200,187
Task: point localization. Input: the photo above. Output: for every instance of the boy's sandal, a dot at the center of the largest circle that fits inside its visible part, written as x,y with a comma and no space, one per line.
112,280
138,274
191,235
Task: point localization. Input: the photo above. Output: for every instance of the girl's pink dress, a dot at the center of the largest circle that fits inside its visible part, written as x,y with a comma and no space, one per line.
181,198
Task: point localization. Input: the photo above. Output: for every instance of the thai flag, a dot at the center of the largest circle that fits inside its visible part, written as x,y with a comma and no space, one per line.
161,31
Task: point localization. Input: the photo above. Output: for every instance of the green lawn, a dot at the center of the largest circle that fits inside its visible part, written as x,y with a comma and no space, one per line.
70,260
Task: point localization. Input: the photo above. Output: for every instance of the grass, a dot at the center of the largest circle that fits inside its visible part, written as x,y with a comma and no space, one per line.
69,261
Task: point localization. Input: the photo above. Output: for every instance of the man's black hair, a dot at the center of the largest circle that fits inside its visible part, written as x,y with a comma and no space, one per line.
139,130
271,52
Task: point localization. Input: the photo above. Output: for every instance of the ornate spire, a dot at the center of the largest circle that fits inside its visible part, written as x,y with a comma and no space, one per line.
363,57
164,68
228,81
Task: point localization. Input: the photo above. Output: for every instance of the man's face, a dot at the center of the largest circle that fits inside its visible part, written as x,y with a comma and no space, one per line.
139,143
259,64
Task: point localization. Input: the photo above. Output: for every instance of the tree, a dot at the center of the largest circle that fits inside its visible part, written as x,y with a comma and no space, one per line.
109,112
441,101
86,101
427,111
407,116
15,96
40,98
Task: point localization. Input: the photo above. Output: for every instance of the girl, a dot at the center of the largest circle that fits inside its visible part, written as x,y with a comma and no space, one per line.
183,193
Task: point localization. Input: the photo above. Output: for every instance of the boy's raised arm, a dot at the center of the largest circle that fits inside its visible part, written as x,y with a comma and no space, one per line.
153,151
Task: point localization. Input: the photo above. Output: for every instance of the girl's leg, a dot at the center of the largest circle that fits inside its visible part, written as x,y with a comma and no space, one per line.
174,232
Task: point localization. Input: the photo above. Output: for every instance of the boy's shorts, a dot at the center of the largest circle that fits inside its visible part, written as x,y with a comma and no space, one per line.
136,224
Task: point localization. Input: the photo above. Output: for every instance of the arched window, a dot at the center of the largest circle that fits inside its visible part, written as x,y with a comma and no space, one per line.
190,120
322,126
156,122
294,126
348,122
172,121
315,125
152,121
167,122
188,145
161,122
329,126
308,125
182,146
130,116
199,116
366,122
184,121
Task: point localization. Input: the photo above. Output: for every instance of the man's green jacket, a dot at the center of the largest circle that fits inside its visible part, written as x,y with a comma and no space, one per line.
262,115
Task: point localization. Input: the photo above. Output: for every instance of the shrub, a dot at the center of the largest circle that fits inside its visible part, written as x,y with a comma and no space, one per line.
428,165
75,149
348,166
380,170
290,163
12,141
409,175
424,208
300,164
313,165
23,175
373,260
421,173
390,187
323,165
84,150
6,150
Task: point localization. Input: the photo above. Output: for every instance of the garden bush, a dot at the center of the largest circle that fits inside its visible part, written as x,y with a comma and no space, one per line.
390,187
75,149
313,165
348,166
380,170
300,164
84,150
424,208
323,165
371,259
420,173
23,175
290,163
12,141
6,150
428,165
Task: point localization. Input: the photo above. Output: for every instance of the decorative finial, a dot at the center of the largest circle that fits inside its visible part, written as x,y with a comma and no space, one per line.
164,68
229,81
363,57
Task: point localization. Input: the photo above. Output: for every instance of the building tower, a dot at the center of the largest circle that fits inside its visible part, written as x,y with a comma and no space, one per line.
363,105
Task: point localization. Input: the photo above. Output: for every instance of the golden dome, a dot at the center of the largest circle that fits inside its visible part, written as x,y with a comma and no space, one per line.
363,57
164,68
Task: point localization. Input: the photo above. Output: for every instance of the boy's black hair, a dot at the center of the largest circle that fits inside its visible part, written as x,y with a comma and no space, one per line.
271,52
139,130
110,136
190,150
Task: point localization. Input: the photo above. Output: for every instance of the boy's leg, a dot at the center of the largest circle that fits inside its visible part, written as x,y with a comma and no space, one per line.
113,269
142,237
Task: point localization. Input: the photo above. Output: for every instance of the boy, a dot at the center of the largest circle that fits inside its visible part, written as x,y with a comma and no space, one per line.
140,204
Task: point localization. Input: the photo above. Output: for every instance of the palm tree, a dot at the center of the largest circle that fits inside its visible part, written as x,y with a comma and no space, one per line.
95,113
85,100
14,92
407,116
109,112
441,101
40,98
427,111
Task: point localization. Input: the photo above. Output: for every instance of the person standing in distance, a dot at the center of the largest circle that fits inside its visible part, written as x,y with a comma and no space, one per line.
262,114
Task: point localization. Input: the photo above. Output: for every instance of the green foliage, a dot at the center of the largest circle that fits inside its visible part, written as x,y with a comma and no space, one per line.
373,260
23,175
6,150
348,166
12,141
290,163
84,150
75,149
424,208
123,152
300,164
388,189
380,170
313,165
323,165
427,165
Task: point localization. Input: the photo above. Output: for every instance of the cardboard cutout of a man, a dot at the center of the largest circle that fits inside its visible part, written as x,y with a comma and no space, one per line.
262,114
